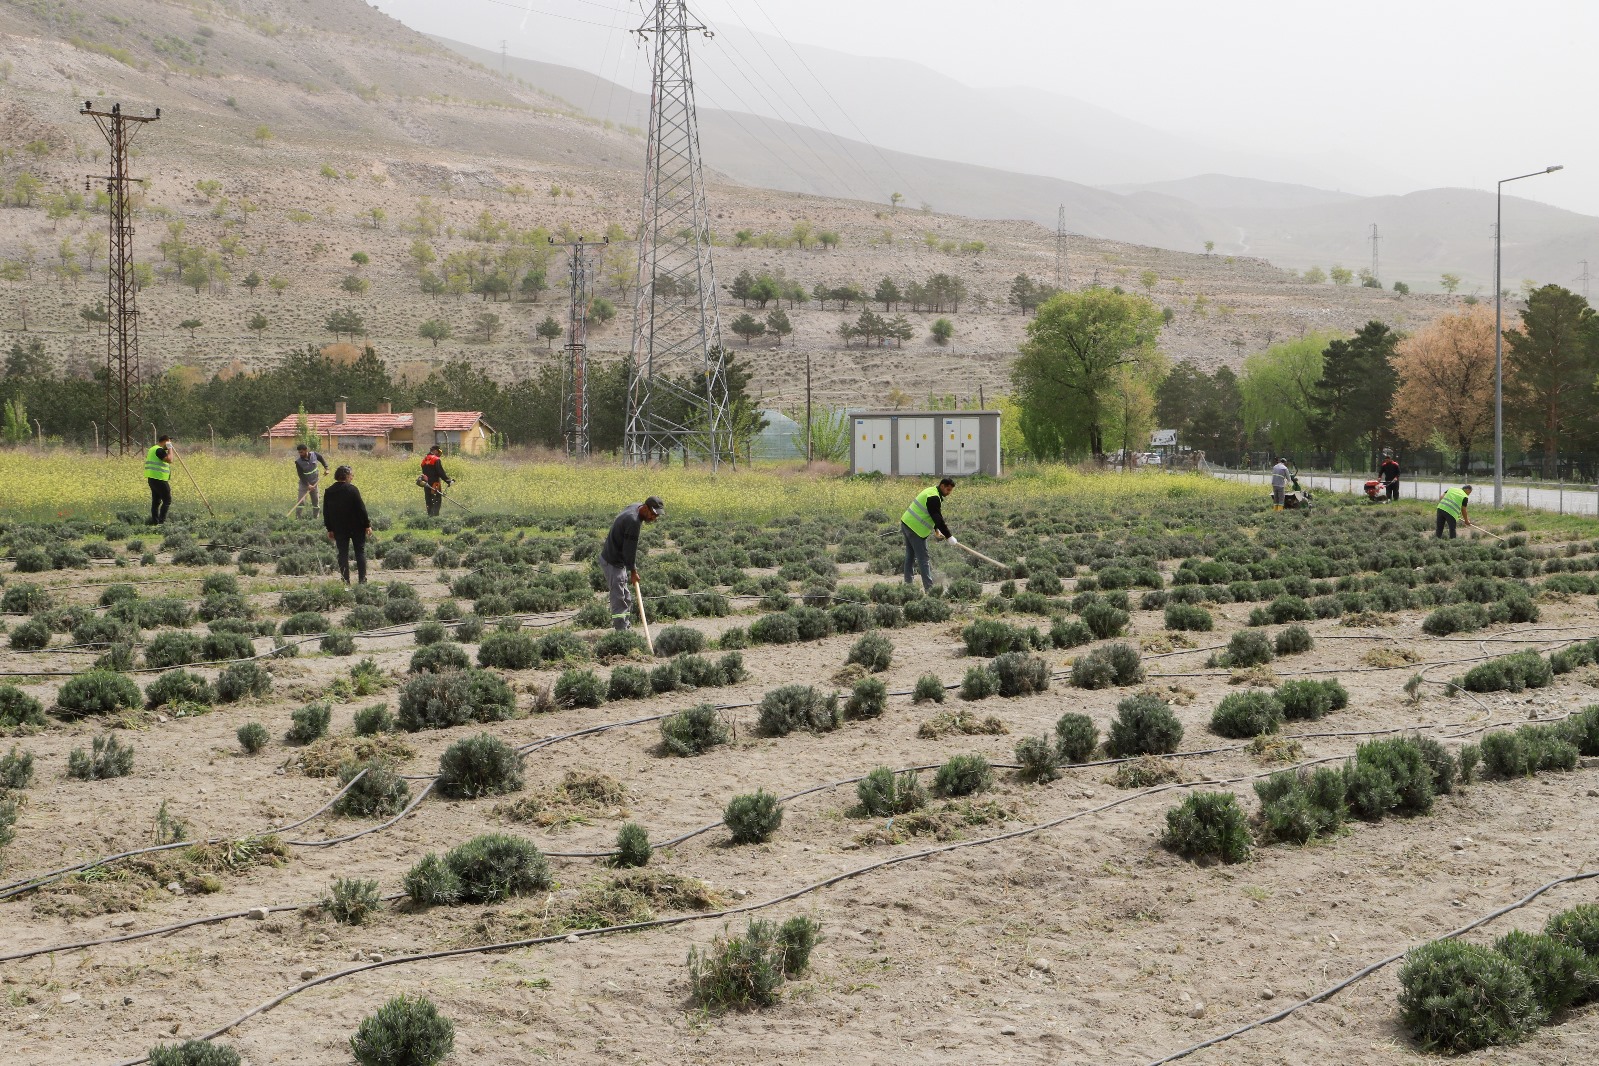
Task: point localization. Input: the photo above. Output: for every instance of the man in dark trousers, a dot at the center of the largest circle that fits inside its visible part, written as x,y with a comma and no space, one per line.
344,515
922,519
1389,472
305,465
158,474
1452,507
432,474
619,556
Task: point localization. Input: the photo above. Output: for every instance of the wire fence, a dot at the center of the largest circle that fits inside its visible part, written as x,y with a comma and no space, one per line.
1560,497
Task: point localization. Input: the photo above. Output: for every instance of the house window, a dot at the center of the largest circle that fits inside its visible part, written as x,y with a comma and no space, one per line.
357,444
448,439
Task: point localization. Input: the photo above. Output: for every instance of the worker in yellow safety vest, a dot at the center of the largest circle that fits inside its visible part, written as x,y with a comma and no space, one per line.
158,475
922,519
1452,509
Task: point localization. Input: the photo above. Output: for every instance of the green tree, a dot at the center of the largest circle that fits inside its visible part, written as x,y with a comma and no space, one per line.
252,281
1351,399
778,325
1314,276
1075,345
942,330
895,199
746,326
1149,279
1550,364
1450,282
742,284
488,324
343,320
262,135
435,330
257,324
821,294
1210,246
377,215
549,329
1278,389
354,285
533,283
887,294
828,239
94,315
602,309
190,324
16,430
1024,294
277,284
360,259
901,330
1341,275
1401,288
765,290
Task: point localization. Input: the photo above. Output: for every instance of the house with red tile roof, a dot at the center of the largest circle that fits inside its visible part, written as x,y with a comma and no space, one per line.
385,430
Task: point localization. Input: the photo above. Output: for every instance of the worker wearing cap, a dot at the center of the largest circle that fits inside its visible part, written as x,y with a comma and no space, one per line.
619,556
1452,509
922,519
1279,484
305,465
432,474
158,475
344,515
1389,472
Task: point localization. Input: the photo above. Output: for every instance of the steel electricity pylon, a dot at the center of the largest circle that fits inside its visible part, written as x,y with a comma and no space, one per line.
677,395
123,406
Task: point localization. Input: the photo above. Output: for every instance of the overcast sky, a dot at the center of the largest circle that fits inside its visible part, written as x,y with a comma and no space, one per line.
1430,92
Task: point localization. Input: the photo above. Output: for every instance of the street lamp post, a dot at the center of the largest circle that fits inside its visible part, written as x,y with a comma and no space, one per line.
1499,337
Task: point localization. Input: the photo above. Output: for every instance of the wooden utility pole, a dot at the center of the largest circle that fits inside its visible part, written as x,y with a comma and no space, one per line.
810,452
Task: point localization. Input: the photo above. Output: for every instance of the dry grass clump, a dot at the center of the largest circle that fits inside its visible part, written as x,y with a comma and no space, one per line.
1260,676
1176,695
1366,620
943,823
1146,771
634,896
581,795
126,884
1391,658
322,758
1160,643
1274,748
960,720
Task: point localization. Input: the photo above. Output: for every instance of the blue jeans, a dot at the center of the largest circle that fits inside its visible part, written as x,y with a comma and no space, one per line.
916,557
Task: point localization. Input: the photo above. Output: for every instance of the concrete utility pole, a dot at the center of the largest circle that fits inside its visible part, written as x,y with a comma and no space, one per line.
123,404
575,420
1376,270
502,56
677,395
1062,268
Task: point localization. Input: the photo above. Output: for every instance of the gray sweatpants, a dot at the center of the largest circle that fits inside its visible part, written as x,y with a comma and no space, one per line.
621,594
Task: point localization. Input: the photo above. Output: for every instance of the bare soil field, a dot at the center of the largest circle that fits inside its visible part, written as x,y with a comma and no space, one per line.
1026,922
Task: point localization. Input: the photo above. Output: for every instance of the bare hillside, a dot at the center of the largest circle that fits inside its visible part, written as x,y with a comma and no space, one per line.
362,115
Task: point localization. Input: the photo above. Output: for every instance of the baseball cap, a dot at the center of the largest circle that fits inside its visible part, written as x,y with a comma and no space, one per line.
654,503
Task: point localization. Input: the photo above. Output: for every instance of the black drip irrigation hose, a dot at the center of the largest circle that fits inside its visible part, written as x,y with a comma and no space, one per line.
825,786
860,871
1367,971
28,884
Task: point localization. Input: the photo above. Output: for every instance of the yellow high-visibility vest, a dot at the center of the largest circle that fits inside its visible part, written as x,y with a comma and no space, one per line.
916,515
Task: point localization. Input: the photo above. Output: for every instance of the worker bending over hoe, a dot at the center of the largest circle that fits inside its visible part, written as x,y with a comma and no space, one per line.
1452,509
924,518
619,556
305,465
344,515
158,474
432,474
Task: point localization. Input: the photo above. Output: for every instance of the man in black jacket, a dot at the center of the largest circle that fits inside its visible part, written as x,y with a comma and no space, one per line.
619,556
344,515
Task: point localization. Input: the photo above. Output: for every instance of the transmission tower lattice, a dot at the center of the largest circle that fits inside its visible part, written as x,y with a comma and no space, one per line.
575,420
677,396
1584,277
124,413
1376,272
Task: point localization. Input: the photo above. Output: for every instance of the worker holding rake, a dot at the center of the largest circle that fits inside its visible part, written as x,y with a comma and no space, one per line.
1452,507
432,474
305,465
619,556
158,474
922,519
